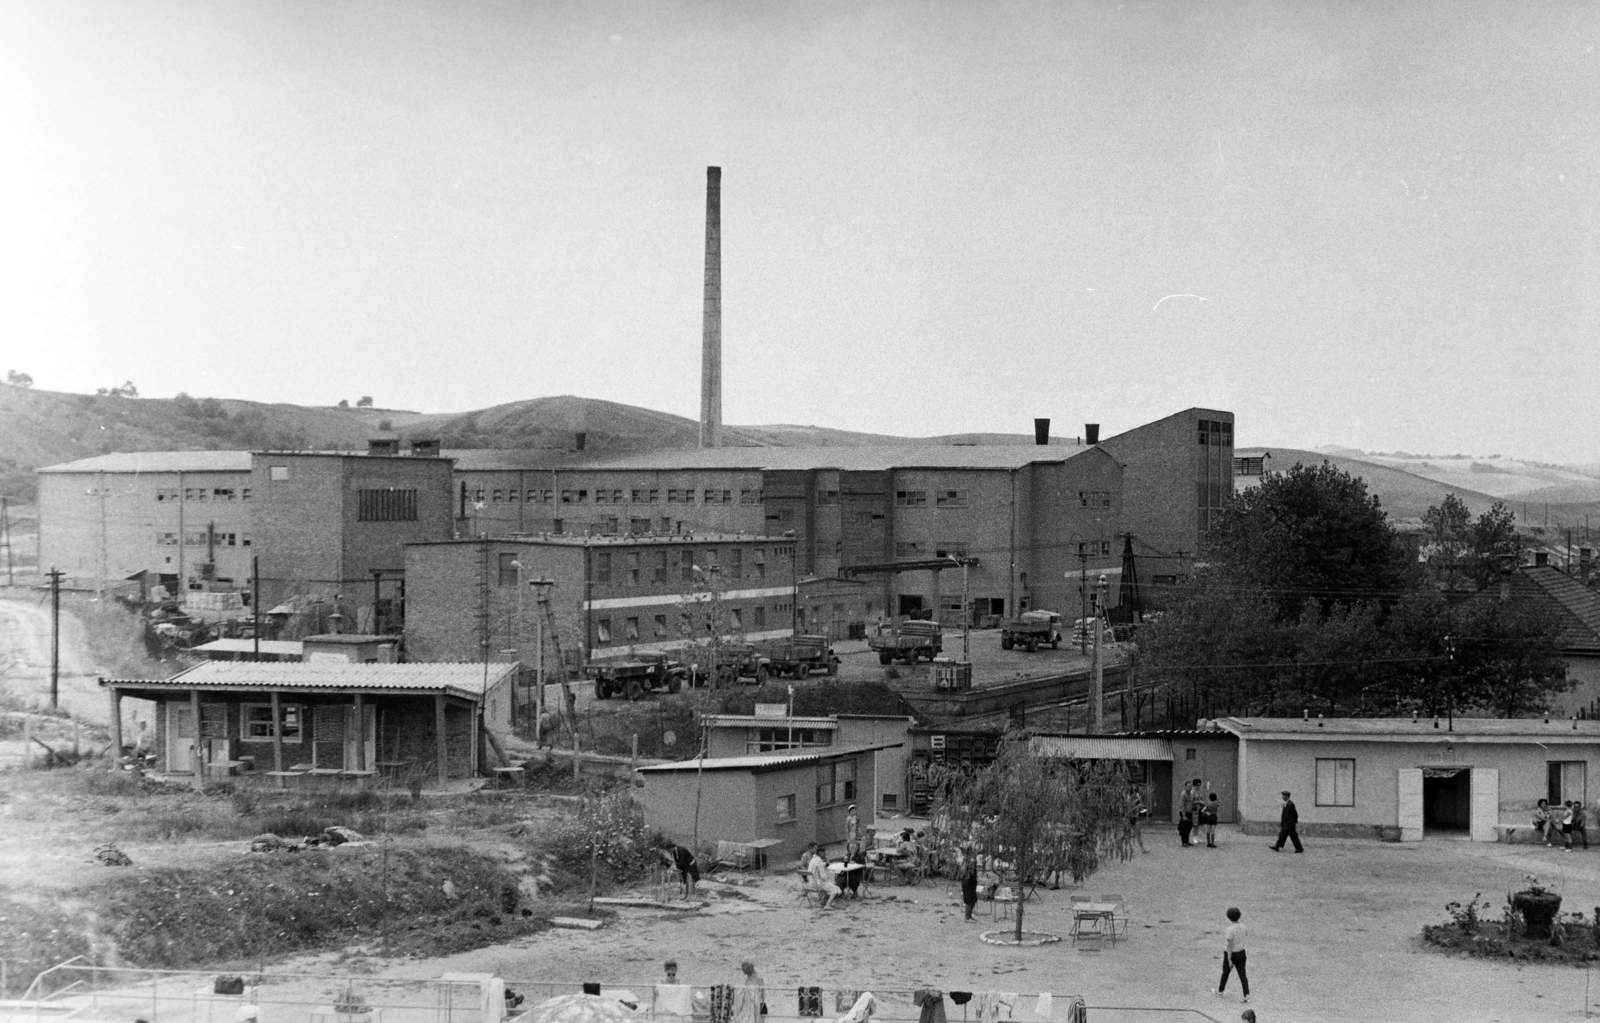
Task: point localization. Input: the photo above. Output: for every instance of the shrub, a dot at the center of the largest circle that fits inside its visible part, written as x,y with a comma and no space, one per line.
611,825
1465,917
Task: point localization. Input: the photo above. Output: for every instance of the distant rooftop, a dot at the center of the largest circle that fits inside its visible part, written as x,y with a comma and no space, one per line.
759,762
610,540
1574,606
855,459
159,461
462,679
1408,728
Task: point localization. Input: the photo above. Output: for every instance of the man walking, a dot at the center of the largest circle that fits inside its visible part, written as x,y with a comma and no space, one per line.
1233,957
1288,825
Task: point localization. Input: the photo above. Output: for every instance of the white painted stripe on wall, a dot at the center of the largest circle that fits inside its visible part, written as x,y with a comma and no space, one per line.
663,599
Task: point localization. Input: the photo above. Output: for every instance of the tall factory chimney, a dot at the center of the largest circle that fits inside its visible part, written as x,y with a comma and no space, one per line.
711,333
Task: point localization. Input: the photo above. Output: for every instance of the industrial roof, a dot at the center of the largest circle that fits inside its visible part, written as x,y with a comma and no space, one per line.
1551,591
159,461
1101,747
607,539
762,721
326,676
275,647
760,762
1409,729
865,458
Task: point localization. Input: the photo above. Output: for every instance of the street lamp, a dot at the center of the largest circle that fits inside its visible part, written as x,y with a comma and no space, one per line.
966,615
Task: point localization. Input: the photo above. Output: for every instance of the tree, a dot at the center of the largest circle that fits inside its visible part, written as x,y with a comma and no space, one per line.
1494,536
365,402
1505,658
1035,814
344,402
706,620
1449,528
186,405
1218,648
211,408
16,379
1311,534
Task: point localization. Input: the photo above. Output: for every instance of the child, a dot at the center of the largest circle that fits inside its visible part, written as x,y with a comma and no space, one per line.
1541,820
1208,817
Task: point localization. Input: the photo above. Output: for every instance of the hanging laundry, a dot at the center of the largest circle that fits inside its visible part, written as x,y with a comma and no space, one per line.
1045,1005
1078,1012
810,1001
591,989
861,1011
932,1003
674,1000
721,1003
961,997
996,1005
843,999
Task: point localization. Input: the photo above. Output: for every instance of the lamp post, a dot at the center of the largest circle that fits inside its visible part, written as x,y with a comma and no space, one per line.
540,597
1097,678
966,615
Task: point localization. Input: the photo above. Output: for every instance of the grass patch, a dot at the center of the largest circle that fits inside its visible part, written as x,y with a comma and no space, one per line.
35,935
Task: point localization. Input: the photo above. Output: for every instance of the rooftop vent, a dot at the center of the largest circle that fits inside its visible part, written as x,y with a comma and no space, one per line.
578,440
1091,433
425,449
1041,432
383,447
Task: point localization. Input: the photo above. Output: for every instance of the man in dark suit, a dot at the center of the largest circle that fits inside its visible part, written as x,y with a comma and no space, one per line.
1288,826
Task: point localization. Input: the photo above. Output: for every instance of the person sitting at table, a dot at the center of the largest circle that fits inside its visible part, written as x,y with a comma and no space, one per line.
817,868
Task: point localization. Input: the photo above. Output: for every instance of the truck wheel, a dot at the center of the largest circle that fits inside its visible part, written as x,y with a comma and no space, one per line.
1006,642
601,690
762,674
833,667
674,684
884,657
633,690
1055,644
1033,645
911,656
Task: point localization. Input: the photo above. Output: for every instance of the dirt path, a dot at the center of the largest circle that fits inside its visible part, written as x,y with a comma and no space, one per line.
25,658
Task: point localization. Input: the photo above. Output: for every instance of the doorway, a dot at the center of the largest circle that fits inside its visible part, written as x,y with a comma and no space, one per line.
1446,799
910,604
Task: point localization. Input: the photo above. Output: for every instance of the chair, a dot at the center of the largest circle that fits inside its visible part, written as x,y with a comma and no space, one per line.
1080,898
1121,915
809,891
1003,905
1088,933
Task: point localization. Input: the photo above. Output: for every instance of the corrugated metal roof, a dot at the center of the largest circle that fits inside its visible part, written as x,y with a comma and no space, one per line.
467,679
1552,592
276,647
1421,728
159,461
1101,747
771,722
758,762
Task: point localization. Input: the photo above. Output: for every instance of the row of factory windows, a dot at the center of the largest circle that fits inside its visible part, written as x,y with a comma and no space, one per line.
736,620
613,495
171,495
203,538
1216,432
686,564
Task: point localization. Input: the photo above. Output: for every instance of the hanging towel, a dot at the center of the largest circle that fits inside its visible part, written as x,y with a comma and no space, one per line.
843,999
591,989
996,1005
722,1003
1046,1004
932,1003
493,1007
674,1000
861,1011
1079,1010
810,1002
961,997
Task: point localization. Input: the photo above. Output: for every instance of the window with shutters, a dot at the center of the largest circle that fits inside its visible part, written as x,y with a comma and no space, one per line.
1336,782
386,505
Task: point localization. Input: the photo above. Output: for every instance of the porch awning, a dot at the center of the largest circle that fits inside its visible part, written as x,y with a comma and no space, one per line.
1102,747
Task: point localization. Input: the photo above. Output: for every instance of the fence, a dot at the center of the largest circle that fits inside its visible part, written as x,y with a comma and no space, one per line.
96,993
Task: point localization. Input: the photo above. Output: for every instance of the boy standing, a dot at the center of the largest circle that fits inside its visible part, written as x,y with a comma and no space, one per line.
1233,957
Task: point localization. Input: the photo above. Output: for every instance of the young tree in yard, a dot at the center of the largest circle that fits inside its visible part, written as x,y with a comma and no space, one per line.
1449,526
1309,535
705,618
365,402
1035,814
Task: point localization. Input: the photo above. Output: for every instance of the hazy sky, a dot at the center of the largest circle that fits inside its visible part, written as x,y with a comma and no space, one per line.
937,217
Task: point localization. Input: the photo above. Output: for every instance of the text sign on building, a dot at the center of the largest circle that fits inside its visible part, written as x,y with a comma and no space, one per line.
772,710
936,742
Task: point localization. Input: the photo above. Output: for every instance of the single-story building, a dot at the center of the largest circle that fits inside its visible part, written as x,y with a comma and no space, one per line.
250,717
251,650
793,797
771,730
1163,762
1406,778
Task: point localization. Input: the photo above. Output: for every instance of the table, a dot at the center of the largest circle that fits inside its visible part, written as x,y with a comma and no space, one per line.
760,847
1102,914
838,870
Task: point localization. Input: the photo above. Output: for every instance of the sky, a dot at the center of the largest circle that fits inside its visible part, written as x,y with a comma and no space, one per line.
1357,223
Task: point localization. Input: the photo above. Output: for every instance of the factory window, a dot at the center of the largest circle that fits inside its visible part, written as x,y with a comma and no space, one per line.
279,473
658,571
727,497
608,525
1249,466
661,625
630,629
633,569
166,495
686,562
258,722
636,496
783,607
709,497
244,493
513,494
1227,433
827,497
227,539
736,616
602,497
674,496
1094,499
666,524
195,539
758,618
907,549
386,506
166,539
602,568
638,525
499,496
222,494
688,497
950,498
735,569
911,498
244,539
1105,548
194,493
602,631
508,570
655,497
558,526
747,497
574,496
477,495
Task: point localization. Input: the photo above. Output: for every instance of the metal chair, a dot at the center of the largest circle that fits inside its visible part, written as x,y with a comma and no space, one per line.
809,892
1121,915
1003,905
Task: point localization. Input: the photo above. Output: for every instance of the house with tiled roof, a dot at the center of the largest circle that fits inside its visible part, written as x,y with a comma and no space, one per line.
1575,608
329,721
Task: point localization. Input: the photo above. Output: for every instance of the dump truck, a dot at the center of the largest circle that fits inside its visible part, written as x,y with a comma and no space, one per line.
799,656
1031,630
634,677
907,641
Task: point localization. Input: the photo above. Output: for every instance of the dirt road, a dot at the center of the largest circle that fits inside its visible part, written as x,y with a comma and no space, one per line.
25,658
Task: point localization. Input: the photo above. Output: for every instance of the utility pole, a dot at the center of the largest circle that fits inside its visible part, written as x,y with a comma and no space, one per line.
255,607
5,534
1097,678
55,637
794,583
1083,593
100,489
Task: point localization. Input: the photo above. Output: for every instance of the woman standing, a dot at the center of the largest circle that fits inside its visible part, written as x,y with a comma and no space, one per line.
749,998
969,880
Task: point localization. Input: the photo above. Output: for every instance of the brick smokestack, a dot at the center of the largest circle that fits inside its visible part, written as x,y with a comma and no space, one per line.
711,331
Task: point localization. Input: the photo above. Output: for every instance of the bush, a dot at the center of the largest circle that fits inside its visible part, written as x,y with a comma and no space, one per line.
612,825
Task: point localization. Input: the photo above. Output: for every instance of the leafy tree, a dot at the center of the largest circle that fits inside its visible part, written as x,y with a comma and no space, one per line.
211,408
1034,814
365,401
186,405
1449,528
1505,658
385,425
1311,534
16,379
1494,536
1218,648
344,403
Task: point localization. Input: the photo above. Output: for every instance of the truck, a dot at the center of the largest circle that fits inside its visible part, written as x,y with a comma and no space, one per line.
736,662
1031,630
799,656
634,677
907,641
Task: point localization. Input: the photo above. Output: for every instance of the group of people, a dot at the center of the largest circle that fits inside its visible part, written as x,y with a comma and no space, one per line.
747,1004
1197,809
1569,819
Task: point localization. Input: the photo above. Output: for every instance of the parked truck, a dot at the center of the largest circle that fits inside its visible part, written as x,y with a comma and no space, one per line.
799,656
907,641
1031,630
633,678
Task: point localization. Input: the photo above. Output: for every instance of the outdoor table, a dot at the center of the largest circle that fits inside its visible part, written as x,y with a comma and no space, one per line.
838,869
502,774
1098,912
760,847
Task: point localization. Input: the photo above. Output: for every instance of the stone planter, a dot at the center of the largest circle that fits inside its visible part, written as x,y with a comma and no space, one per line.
1538,908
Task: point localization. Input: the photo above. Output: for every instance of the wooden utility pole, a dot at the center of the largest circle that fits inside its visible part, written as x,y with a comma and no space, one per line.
55,636
1097,677
5,535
